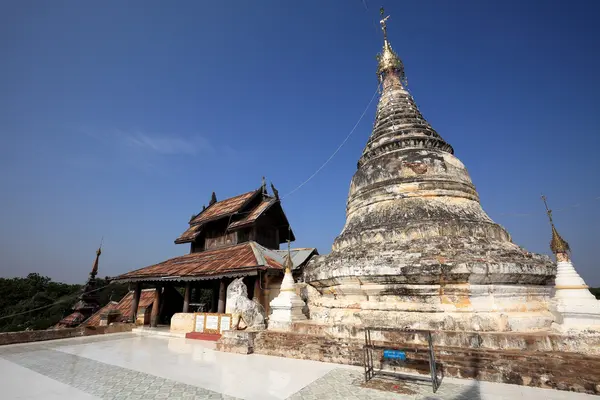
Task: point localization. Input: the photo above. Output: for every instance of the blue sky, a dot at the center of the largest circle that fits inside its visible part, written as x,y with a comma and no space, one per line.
120,121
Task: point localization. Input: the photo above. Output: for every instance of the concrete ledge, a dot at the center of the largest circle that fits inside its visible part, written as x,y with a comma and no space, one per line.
160,332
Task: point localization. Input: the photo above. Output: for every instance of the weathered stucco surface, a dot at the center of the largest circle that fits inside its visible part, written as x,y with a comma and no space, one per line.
417,249
246,313
182,322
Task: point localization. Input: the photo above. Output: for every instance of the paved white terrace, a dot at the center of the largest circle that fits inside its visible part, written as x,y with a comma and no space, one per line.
129,366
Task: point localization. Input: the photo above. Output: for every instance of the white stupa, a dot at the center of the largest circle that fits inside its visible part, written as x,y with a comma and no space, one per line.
573,305
287,306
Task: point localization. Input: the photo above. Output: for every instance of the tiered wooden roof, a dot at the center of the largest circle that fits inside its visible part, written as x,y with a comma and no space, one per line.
241,211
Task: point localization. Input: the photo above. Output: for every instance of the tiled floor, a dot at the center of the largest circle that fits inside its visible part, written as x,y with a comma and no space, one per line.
127,366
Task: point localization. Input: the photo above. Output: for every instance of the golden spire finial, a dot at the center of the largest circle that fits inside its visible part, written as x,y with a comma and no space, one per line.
388,60
558,245
383,23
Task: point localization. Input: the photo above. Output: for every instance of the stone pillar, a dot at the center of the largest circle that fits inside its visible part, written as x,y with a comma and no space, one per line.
222,296
186,297
156,307
137,292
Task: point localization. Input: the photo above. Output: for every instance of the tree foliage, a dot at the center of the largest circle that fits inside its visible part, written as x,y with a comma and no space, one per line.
36,302
596,292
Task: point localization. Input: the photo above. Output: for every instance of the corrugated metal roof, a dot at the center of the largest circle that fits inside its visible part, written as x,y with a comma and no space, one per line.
299,256
190,234
254,214
94,320
224,207
73,319
240,259
123,306
215,211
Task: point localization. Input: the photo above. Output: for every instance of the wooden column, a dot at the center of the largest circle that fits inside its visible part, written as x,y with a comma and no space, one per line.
256,293
156,307
222,296
186,297
137,292
266,294
214,298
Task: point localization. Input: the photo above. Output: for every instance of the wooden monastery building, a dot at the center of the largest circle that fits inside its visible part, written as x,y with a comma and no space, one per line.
236,237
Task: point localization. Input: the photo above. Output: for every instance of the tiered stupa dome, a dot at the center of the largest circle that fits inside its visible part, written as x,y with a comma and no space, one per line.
417,249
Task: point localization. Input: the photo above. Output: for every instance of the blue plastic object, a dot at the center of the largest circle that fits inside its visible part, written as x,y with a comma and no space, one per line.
394,355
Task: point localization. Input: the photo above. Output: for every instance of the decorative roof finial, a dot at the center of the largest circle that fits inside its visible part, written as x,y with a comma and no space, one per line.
558,245
388,60
213,199
263,186
94,271
275,191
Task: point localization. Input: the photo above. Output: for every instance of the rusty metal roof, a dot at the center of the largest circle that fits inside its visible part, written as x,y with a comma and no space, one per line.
253,215
123,306
224,207
238,260
189,235
220,209
94,320
73,319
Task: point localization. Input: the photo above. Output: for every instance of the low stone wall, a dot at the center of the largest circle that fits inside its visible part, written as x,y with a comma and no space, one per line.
52,334
35,336
548,369
588,343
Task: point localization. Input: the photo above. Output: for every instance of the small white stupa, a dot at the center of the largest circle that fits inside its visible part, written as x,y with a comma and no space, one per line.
287,307
573,305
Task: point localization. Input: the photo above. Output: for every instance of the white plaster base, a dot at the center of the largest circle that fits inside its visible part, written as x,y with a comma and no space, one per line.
285,312
573,305
287,307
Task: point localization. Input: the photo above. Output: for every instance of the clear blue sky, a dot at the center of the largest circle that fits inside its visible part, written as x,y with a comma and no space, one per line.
120,120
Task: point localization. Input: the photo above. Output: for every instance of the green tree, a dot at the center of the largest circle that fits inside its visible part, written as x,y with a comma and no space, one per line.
36,302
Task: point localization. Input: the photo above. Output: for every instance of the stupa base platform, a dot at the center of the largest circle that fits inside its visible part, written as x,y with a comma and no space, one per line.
540,359
434,318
